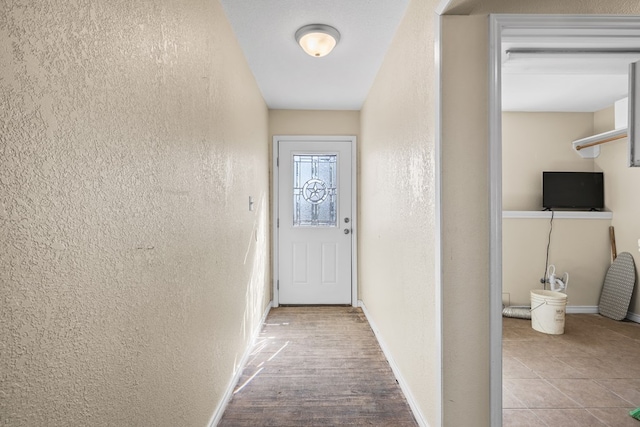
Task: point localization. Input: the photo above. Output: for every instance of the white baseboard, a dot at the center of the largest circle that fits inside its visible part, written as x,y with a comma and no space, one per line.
571,309
593,309
582,309
633,317
217,415
396,371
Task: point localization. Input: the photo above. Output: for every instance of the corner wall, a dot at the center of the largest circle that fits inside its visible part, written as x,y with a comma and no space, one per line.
132,271
620,192
532,143
398,235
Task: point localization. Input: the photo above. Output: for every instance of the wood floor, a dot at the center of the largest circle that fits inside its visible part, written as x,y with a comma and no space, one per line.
317,366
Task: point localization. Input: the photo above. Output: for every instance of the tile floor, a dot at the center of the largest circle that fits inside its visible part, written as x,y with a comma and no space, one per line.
589,376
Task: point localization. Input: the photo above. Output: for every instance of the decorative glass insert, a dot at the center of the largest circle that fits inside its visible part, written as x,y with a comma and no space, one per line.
315,194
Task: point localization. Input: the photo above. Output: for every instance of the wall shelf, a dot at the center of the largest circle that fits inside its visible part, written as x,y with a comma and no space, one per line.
588,148
606,215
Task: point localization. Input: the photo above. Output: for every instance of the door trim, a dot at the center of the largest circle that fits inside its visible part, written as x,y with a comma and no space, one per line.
275,214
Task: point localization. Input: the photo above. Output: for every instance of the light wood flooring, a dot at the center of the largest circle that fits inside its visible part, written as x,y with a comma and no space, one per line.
589,376
317,366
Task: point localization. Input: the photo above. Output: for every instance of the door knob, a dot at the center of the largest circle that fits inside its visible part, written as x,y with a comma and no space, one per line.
346,231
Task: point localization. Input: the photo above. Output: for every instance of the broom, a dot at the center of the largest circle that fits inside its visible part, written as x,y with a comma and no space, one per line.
635,413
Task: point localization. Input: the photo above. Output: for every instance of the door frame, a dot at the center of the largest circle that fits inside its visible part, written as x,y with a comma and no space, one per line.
498,23
351,139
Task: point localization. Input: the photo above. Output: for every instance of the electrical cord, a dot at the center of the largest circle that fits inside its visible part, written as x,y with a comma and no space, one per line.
546,263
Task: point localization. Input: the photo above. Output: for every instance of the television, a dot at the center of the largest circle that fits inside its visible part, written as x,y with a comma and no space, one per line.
573,190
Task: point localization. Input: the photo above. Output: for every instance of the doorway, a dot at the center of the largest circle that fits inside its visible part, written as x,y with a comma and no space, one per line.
314,220
552,26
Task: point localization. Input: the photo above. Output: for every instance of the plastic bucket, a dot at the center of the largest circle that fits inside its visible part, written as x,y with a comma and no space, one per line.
548,309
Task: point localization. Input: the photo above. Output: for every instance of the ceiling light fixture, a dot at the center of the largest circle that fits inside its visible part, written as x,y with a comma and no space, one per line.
317,39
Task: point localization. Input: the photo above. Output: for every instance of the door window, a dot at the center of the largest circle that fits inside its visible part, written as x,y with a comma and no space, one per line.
315,201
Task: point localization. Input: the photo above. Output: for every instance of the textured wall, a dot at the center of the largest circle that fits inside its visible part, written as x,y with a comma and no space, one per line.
314,122
397,240
465,223
131,270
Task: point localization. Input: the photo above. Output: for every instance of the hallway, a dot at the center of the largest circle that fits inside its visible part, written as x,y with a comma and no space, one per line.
319,366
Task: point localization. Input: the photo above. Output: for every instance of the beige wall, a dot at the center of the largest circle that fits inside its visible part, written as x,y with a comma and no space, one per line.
604,120
314,122
578,246
620,192
132,272
465,223
397,241
535,142
532,143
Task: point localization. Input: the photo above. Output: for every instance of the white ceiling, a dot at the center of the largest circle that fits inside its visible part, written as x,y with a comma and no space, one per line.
291,79
570,82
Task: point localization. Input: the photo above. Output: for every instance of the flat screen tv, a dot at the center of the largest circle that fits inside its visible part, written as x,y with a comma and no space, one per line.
573,190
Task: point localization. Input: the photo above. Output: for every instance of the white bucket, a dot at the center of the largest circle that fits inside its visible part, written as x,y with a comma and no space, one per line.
548,310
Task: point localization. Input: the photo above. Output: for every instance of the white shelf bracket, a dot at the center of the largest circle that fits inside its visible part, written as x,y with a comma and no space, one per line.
589,148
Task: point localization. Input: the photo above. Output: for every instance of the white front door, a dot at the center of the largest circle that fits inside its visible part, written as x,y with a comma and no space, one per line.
314,222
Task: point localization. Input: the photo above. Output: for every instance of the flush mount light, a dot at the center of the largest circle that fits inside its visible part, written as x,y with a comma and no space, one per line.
317,39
